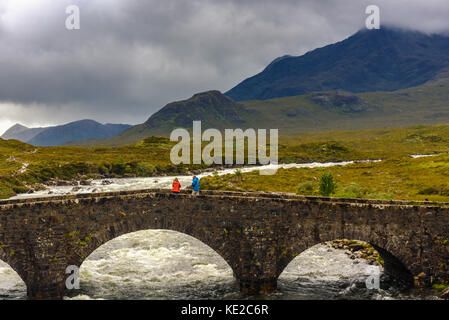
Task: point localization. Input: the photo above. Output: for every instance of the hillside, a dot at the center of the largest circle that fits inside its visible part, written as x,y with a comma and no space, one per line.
58,135
214,109
23,168
374,79
426,104
371,60
317,111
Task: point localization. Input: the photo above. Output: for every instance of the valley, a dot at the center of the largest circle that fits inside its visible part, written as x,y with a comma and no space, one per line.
398,177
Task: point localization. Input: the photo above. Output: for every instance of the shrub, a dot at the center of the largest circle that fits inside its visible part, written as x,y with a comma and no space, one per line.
103,169
145,169
306,188
429,191
119,167
353,190
238,174
327,184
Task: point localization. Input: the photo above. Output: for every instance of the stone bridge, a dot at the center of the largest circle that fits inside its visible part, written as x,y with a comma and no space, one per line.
258,234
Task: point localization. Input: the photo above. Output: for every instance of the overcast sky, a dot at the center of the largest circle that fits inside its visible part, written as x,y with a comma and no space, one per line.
131,57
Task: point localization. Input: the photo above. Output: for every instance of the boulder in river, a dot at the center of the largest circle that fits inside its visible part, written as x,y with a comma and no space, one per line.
85,182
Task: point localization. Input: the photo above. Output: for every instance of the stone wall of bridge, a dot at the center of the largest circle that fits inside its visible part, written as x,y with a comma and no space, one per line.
257,234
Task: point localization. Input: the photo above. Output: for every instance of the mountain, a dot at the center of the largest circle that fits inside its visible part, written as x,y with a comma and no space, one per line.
58,135
21,133
388,59
426,104
373,79
214,109
318,111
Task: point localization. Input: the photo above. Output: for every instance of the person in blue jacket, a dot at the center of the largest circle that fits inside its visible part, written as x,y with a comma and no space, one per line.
196,185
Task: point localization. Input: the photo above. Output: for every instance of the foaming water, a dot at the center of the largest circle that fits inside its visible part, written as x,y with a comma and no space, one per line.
11,285
163,264
155,264
163,182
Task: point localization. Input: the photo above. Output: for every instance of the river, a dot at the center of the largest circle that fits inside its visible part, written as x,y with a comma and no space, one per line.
163,264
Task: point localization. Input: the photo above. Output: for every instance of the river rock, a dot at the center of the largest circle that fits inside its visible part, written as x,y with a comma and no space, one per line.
355,246
61,183
85,182
445,294
106,182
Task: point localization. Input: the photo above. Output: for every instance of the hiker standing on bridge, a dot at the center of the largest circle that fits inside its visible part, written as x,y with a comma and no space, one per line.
176,186
196,185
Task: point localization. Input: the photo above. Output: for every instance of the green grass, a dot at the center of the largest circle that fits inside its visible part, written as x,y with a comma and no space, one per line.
297,115
395,178
147,158
398,177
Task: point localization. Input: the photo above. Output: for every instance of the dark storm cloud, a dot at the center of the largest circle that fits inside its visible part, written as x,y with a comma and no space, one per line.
131,57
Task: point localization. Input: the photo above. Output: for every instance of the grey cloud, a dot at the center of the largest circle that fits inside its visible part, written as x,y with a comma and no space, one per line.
131,57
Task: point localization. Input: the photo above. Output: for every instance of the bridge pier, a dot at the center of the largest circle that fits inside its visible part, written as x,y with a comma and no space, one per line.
258,286
47,281
49,291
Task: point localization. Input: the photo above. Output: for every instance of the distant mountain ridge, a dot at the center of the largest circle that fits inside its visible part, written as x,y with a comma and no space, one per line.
373,79
214,109
317,111
21,133
388,59
59,135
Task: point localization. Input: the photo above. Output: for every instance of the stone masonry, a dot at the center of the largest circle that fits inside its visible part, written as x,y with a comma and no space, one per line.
258,234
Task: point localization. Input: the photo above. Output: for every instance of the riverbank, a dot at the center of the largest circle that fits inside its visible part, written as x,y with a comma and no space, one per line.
24,168
63,187
403,178
358,249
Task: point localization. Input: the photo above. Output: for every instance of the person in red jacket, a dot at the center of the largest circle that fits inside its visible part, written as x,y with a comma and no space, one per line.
176,186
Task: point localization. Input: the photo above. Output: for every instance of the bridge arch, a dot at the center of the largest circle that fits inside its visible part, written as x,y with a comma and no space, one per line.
10,258
394,264
12,284
102,236
155,263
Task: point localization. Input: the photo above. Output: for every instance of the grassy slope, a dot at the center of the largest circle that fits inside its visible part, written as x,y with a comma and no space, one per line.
214,109
427,104
147,158
399,177
151,157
